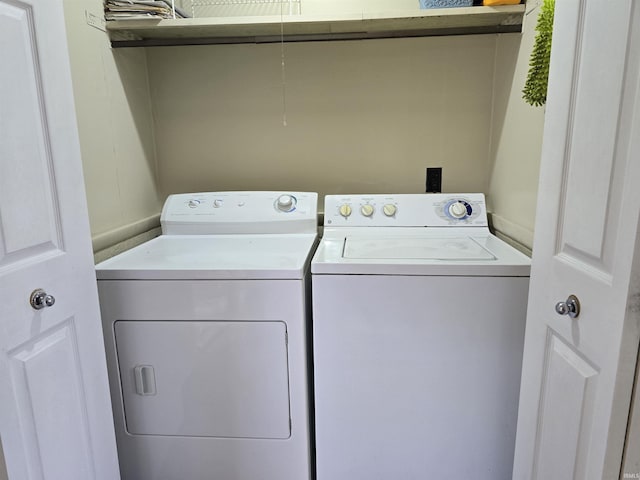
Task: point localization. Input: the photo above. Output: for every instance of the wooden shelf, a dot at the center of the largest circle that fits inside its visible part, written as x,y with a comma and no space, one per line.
298,28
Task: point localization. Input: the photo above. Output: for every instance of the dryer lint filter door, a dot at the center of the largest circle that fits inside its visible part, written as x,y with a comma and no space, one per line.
204,379
415,248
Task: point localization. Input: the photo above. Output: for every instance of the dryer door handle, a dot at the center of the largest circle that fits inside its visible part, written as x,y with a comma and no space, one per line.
145,378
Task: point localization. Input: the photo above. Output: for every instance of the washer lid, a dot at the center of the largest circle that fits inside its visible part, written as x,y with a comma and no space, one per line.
416,252
415,248
212,257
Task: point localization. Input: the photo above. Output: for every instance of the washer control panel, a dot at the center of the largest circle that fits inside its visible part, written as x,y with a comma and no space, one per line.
240,212
405,210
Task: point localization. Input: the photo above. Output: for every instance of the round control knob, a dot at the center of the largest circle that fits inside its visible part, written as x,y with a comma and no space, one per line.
366,210
193,203
389,210
345,210
285,203
458,210
217,203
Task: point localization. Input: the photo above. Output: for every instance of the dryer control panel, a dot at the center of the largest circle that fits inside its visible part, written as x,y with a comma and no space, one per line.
240,213
406,210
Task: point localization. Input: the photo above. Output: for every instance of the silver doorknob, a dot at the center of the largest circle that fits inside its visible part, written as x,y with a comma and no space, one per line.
40,299
569,307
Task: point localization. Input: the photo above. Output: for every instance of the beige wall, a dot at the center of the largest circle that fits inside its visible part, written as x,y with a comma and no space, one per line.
114,121
362,116
516,139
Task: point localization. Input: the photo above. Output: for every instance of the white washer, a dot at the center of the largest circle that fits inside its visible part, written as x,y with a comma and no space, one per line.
418,329
205,332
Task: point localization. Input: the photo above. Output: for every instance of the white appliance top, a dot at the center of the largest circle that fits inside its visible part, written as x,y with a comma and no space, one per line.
413,234
224,235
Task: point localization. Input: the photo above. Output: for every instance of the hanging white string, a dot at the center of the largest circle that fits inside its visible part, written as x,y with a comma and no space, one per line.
284,76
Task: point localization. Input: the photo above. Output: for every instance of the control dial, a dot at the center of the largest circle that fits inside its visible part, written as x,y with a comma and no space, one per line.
367,210
217,203
286,203
458,210
389,210
193,203
345,210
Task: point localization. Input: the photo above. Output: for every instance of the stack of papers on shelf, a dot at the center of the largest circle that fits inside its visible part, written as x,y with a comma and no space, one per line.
140,9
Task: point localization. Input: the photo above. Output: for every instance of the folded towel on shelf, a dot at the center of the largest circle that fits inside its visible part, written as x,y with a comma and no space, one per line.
141,9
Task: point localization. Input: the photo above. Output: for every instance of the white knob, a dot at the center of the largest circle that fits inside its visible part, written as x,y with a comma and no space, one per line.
366,210
345,210
458,210
217,203
285,203
389,210
193,203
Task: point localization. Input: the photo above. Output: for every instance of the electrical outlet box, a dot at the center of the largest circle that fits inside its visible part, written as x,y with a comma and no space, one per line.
434,180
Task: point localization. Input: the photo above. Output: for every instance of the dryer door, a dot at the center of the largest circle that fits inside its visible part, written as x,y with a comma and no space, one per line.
205,379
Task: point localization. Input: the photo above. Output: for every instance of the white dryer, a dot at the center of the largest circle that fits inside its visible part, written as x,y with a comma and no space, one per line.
418,329
205,329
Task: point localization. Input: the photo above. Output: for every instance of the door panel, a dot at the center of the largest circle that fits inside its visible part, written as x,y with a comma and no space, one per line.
568,380
576,381
173,372
47,386
55,413
33,227
590,149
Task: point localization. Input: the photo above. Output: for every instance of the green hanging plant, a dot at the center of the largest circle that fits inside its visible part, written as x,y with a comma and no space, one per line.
535,88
